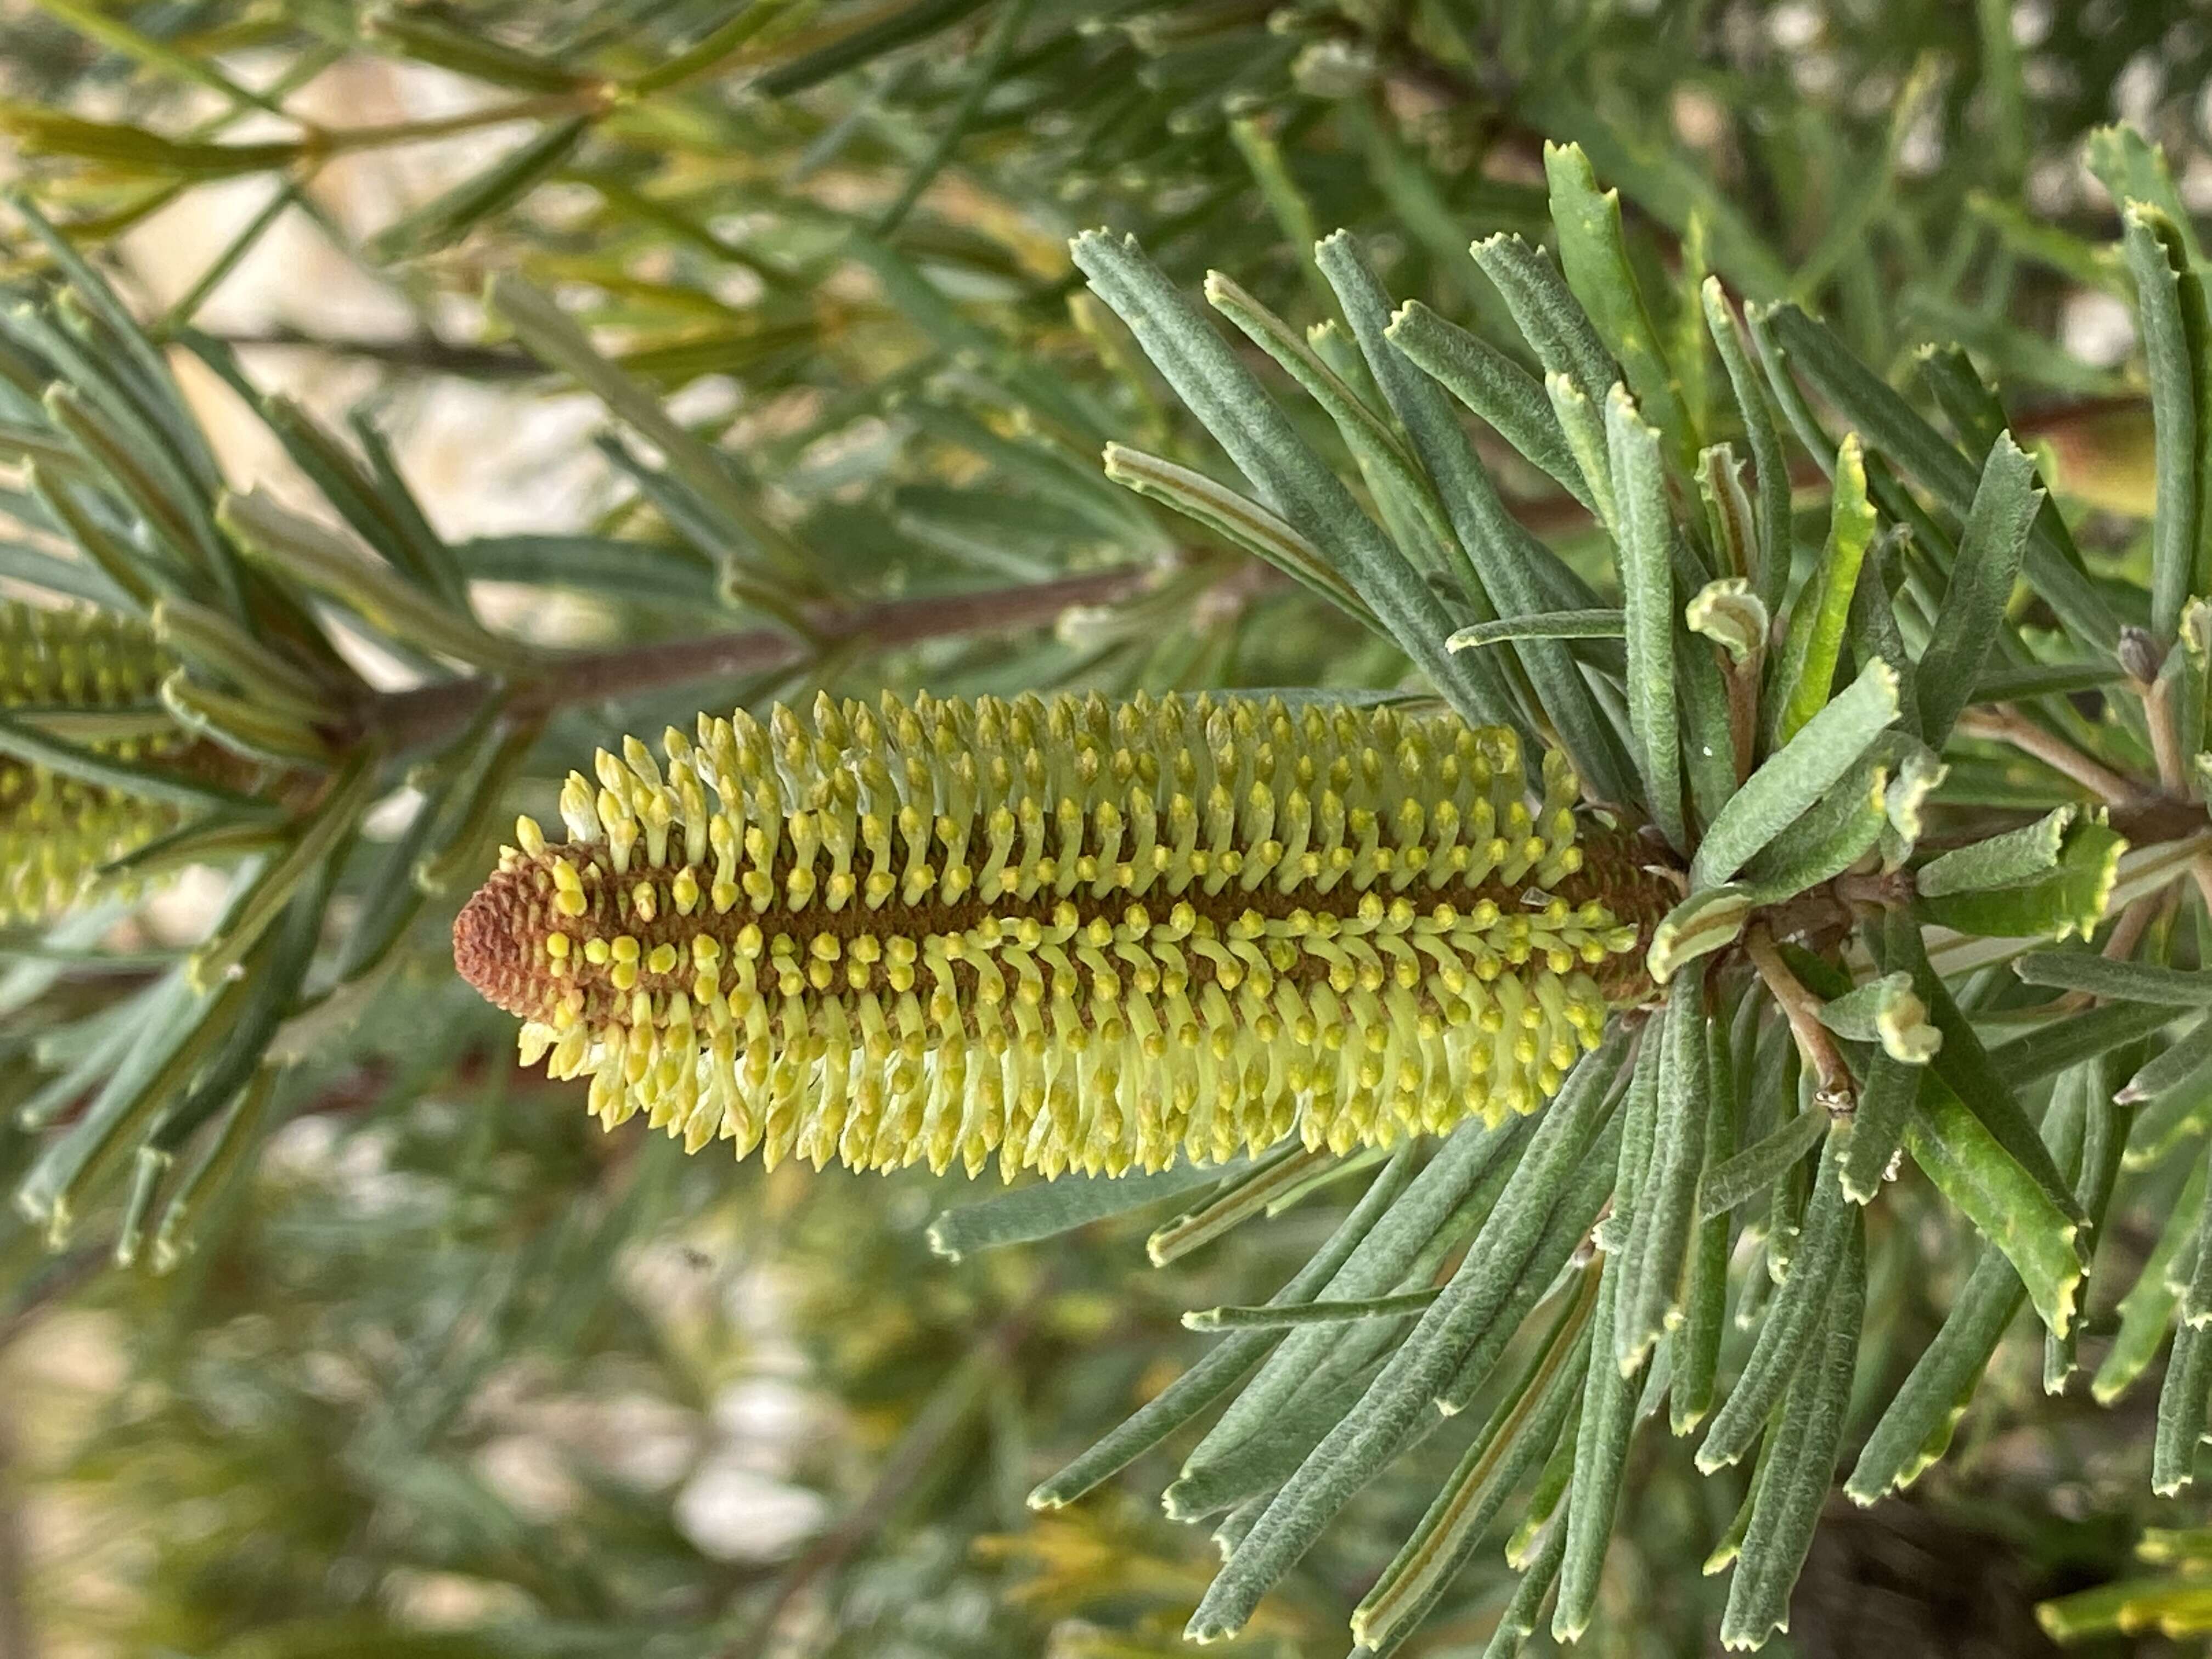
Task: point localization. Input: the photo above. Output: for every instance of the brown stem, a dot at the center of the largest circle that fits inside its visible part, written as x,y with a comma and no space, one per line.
413,719
590,100
2005,724
2159,715
1835,1091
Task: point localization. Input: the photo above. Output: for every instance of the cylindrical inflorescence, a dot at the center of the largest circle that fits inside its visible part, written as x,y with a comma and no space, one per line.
57,667
1078,934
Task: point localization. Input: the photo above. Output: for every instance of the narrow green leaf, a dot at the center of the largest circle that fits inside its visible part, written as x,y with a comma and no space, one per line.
555,339
417,33
1705,1301
1048,1208
1517,572
1805,670
228,1154
1518,1435
2174,415
1226,398
1236,518
1454,1191
323,560
1551,319
2005,506
1800,1462
2146,1311
1780,791
1212,1377
25,741
1372,444
2002,682
1744,1174
1839,829
1791,1330
1639,484
2008,1207
1545,625
2180,1064
2183,1404
448,217
2133,169
333,818
1312,1313
2010,859
1770,572
1895,429
2121,982
1525,1608
1581,422
1649,1301
2060,1043
1422,1368
1595,256
1607,1421
1504,395
1241,1198
1915,1429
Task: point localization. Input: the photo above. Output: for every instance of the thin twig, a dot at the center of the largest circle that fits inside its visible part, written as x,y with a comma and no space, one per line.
413,719
2005,724
2159,715
1836,1091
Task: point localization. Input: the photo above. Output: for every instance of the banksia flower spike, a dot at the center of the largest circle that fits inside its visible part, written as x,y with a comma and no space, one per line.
80,675
1077,934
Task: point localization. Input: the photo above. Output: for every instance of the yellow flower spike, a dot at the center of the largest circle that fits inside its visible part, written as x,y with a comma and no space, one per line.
56,832
1070,934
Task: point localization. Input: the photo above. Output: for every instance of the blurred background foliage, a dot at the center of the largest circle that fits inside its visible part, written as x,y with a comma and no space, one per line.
444,1371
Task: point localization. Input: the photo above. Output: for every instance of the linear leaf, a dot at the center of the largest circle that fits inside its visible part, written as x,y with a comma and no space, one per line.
1649,1301
2007,860
1639,483
1515,569
1894,427
1805,670
1789,1333
2146,232
1230,403
2005,503
1607,1420
1490,383
2124,982
2146,1310
1798,1463
1545,625
1422,1368
1771,572
2007,1206
1048,1208
1704,1301
1594,257
1791,781
1229,1360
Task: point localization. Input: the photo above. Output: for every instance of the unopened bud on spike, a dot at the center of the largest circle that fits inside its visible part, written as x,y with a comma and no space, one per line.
1075,934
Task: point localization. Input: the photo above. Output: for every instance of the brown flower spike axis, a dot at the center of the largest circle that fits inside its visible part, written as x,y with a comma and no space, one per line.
1077,934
